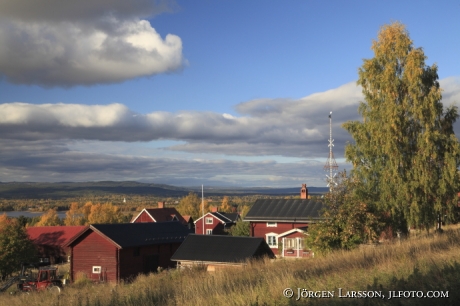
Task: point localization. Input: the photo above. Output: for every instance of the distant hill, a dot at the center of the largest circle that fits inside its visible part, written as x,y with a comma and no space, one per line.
262,190
17,190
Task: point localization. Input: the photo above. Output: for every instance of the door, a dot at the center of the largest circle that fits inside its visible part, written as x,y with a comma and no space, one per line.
151,263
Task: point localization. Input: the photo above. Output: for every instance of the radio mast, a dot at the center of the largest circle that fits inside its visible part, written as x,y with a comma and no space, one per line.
331,165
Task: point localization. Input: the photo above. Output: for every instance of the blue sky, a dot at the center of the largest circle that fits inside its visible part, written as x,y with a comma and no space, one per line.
194,92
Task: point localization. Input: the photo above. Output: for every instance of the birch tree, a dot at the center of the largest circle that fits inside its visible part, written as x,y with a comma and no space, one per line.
190,205
50,218
74,216
405,153
225,206
105,213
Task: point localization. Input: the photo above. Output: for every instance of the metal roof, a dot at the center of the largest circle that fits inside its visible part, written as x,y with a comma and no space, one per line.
125,235
218,248
227,218
53,235
285,210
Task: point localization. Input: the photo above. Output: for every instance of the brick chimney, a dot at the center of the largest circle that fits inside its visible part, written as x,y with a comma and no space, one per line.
214,209
161,204
304,192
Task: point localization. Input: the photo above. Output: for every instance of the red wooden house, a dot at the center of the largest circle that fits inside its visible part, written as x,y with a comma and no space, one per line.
50,242
216,223
283,223
160,214
111,252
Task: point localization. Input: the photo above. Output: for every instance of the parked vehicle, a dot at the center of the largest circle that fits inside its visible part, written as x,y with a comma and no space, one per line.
34,278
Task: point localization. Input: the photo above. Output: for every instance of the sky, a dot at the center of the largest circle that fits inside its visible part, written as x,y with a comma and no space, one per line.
185,93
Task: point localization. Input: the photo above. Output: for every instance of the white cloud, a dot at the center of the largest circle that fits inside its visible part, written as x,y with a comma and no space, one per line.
295,128
49,141
451,91
55,115
111,46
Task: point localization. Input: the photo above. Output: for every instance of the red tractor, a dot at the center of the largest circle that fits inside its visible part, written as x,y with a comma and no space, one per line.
34,278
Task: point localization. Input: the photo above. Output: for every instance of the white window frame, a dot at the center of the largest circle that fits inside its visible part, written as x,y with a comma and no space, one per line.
272,224
272,240
209,220
97,269
208,231
293,243
44,260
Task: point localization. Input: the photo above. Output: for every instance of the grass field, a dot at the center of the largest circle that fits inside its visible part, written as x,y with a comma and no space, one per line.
424,264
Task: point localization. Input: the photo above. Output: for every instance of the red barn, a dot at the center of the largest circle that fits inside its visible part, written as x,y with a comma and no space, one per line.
283,222
111,252
50,241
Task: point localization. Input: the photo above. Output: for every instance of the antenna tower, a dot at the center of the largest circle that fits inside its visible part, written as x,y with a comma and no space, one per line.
331,165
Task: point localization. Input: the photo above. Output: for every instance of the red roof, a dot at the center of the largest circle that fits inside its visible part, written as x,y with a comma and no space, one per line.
53,235
162,214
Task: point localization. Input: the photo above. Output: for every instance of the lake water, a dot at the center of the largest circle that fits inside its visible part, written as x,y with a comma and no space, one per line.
30,214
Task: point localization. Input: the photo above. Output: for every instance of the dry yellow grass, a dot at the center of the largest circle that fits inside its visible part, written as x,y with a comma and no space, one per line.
422,263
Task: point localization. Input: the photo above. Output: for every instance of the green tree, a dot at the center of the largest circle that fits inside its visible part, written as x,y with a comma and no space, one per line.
405,153
190,206
241,228
348,221
15,246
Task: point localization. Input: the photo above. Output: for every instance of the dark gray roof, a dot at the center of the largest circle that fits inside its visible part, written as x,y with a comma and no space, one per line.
126,235
232,216
228,218
284,210
217,248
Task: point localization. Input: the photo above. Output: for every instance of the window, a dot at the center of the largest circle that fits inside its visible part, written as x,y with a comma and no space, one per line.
271,240
44,260
137,252
271,224
209,232
293,243
209,220
97,269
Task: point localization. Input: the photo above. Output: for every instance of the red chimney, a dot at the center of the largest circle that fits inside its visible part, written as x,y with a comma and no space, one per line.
214,209
161,204
304,192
